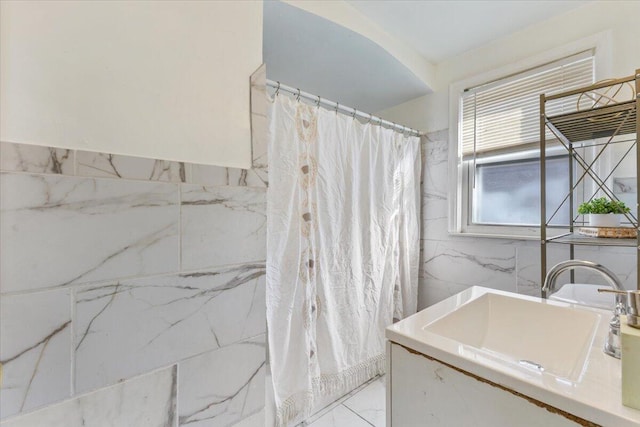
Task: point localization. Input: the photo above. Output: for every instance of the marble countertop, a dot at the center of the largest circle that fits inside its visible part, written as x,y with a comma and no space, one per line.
594,396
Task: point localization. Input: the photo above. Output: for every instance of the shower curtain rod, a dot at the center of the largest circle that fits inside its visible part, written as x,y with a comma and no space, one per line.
342,108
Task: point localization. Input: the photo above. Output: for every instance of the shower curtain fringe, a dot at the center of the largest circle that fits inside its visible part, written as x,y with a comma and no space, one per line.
293,408
330,385
351,378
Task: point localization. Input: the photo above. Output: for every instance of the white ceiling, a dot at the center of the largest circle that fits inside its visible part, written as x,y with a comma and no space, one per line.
442,29
309,52
318,56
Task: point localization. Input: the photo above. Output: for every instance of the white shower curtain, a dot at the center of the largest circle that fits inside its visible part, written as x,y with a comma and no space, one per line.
343,250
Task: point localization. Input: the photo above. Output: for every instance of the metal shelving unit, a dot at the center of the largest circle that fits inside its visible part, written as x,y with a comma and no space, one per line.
594,115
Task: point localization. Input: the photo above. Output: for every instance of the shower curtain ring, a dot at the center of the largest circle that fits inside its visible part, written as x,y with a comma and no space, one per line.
337,106
298,95
277,89
353,116
318,102
370,118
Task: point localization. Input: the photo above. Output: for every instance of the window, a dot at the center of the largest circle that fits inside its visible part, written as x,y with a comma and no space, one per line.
507,192
498,148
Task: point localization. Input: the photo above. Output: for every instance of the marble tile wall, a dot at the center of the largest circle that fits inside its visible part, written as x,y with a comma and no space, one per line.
132,287
450,264
210,388
176,317
35,350
148,400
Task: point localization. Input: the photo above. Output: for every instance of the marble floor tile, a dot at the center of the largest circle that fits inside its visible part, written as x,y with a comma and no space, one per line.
370,402
255,420
148,400
94,229
340,416
224,386
222,225
35,339
328,406
129,327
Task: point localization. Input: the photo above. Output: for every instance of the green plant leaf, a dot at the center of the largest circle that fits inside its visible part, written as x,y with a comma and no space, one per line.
603,205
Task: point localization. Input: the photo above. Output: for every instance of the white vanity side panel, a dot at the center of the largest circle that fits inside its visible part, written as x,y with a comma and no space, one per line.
424,392
389,363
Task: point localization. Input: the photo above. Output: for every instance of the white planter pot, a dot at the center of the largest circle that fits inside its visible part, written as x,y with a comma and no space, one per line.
604,220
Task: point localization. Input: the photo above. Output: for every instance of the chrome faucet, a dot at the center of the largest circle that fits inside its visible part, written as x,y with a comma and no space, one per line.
612,346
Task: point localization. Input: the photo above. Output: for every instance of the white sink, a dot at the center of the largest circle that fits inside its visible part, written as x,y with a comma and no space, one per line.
538,336
486,333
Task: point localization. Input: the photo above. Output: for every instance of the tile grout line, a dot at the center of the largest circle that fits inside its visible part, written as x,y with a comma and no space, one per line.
72,350
357,414
333,405
97,283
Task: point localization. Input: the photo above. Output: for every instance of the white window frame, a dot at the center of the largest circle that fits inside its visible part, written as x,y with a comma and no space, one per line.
459,223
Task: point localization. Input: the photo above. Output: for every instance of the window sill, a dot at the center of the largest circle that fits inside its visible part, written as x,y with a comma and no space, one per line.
476,234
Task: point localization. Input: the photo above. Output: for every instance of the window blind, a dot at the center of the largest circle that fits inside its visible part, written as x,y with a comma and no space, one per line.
506,113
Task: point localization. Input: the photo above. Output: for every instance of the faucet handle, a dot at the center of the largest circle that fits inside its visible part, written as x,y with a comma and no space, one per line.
612,291
621,307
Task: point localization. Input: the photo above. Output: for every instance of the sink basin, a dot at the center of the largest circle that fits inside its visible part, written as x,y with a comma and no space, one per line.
548,351
536,335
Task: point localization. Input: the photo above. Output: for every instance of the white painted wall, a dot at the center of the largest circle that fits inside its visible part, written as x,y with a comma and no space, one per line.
164,79
430,112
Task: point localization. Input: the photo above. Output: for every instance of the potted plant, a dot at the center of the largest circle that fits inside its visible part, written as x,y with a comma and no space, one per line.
603,212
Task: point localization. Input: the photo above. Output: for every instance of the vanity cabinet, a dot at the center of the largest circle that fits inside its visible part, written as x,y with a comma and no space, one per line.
597,131
426,392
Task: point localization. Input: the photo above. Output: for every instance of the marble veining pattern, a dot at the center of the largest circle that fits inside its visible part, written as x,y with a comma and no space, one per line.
471,263
221,387
148,400
128,167
106,297
35,338
175,317
434,171
36,159
208,175
222,225
435,202
109,228
49,160
370,403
